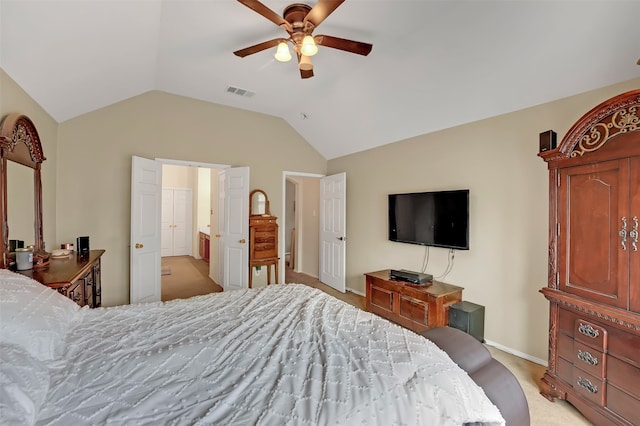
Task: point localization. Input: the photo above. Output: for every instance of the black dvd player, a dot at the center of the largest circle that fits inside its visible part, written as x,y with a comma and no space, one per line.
410,276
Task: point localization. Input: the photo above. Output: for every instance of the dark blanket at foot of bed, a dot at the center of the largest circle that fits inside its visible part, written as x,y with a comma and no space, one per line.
498,382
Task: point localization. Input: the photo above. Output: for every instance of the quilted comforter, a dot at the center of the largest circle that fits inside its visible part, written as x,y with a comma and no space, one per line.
282,355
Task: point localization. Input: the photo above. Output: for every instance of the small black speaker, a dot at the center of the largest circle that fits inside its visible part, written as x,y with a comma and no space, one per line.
548,140
468,317
82,246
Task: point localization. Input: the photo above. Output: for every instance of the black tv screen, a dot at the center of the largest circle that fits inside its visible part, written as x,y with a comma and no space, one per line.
438,219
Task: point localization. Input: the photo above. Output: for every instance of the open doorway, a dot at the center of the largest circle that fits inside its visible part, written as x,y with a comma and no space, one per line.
301,225
328,206
187,213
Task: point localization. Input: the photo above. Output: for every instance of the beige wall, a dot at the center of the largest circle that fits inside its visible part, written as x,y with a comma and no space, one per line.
95,164
496,159
88,167
14,99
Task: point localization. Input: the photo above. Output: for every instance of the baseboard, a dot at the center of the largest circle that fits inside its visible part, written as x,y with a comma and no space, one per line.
517,353
359,293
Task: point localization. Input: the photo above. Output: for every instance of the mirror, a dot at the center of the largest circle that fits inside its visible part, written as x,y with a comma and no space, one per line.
21,215
259,203
20,160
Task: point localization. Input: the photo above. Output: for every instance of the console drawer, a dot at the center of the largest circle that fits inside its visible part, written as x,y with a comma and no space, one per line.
414,309
382,298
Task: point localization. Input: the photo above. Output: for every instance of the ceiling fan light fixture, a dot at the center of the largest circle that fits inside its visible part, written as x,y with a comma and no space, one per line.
282,53
308,47
305,63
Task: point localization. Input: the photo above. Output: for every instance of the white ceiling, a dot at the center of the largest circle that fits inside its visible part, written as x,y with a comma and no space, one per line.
434,64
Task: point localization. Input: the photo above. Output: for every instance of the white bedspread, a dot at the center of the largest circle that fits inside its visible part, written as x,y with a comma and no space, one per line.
285,354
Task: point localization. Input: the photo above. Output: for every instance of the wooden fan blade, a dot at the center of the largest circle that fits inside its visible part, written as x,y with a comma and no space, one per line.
263,10
306,73
344,44
321,10
258,47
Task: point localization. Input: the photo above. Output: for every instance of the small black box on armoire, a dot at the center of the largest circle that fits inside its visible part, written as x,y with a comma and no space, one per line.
468,317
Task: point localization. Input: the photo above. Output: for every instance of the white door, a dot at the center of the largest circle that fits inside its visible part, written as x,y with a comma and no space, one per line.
233,219
333,210
146,194
177,207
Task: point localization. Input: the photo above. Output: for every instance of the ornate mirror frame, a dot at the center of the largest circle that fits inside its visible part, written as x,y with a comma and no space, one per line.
19,142
267,211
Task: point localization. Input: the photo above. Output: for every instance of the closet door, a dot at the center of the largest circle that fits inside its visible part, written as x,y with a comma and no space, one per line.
176,222
166,248
593,200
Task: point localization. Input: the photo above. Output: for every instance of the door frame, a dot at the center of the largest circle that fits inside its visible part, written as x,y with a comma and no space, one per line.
282,237
163,161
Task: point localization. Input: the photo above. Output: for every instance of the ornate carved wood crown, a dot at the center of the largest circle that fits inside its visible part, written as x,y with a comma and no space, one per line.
15,129
609,119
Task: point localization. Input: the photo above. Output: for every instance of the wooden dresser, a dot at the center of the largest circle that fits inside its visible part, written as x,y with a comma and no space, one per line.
594,264
416,307
263,244
77,278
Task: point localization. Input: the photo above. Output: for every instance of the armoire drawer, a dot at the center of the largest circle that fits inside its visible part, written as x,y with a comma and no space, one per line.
624,376
623,404
589,386
589,359
591,334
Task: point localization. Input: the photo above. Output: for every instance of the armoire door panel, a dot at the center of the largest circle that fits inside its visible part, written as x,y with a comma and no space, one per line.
634,213
593,263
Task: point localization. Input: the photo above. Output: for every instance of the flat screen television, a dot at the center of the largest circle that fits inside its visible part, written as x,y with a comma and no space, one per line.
438,219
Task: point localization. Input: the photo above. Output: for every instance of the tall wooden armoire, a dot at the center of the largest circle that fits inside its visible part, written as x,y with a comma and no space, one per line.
594,264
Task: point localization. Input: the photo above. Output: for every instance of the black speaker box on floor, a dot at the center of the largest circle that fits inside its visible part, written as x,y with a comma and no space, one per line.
468,317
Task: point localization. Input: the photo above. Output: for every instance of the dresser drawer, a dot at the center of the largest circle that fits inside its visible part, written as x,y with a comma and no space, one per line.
623,404
590,334
590,387
588,359
76,292
414,309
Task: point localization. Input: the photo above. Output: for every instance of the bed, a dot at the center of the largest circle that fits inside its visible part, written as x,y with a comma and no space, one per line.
280,355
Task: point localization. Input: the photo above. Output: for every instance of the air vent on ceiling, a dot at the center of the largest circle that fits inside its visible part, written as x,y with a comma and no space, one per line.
240,92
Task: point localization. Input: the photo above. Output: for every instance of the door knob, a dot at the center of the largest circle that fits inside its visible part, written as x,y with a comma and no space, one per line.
139,246
218,235
242,241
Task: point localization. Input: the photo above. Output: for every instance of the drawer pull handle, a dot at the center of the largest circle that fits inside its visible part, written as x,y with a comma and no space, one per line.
623,233
586,384
585,356
588,331
634,234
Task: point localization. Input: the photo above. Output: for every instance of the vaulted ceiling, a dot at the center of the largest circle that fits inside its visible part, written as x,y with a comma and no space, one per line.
434,64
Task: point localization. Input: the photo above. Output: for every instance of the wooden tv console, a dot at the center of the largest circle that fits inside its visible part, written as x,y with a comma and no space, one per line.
417,307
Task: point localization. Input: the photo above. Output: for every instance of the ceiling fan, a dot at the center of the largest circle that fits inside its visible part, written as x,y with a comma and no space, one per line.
299,20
